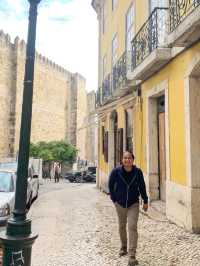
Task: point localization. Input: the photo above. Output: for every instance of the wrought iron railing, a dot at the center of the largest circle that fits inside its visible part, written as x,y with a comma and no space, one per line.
179,10
151,36
106,88
119,72
98,97
113,81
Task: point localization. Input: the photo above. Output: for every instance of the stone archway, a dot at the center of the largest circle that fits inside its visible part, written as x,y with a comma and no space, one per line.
192,114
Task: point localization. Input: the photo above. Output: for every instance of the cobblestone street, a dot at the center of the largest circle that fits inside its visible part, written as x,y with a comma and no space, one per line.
77,226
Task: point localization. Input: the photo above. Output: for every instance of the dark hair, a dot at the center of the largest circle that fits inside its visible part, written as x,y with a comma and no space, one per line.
133,156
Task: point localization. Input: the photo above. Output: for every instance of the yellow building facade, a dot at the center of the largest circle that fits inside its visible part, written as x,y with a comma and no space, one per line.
148,98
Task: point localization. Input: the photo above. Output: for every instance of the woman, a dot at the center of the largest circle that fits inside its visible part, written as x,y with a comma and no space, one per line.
126,184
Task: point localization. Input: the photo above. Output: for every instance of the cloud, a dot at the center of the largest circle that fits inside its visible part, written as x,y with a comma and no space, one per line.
67,33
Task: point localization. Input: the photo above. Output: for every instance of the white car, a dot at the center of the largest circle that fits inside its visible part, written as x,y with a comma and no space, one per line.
33,180
7,192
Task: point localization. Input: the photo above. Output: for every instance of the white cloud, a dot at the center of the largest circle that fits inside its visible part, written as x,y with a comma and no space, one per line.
66,33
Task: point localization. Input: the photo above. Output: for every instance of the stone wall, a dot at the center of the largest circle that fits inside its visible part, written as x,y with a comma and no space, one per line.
92,130
72,110
54,115
6,91
81,132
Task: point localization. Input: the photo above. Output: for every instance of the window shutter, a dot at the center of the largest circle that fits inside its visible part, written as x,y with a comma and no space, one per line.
103,139
119,145
106,146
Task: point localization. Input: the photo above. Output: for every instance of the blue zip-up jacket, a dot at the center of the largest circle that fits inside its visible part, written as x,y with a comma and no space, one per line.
126,187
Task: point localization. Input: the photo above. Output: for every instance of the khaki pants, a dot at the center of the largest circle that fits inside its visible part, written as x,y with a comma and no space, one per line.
129,215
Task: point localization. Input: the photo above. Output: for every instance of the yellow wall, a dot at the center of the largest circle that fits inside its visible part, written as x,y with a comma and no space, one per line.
174,72
116,23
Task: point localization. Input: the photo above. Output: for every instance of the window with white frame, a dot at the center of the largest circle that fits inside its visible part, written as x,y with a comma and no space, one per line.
129,27
157,3
114,49
114,4
104,67
104,18
161,19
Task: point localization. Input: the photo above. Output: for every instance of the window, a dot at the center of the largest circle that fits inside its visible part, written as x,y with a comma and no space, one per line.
106,146
162,18
102,137
129,27
157,3
104,67
114,49
119,152
104,18
114,4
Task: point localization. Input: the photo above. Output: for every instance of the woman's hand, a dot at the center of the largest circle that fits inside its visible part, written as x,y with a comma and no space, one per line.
145,207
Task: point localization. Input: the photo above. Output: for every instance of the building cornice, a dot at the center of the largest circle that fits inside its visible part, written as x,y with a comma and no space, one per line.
111,106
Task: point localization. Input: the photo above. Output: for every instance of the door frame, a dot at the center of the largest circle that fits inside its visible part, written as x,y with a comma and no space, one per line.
152,173
160,110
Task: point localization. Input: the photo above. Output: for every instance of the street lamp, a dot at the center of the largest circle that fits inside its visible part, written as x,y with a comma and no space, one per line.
18,239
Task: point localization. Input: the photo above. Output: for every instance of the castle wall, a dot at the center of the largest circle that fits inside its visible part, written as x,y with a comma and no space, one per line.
49,113
6,90
91,139
72,110
60,101
81,133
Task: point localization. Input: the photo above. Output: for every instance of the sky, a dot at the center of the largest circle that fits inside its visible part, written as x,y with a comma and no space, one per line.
67,33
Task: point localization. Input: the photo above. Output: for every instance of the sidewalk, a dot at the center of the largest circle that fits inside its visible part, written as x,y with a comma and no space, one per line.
156,211
77,226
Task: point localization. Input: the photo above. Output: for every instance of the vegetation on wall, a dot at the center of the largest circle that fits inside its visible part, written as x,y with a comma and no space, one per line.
59,151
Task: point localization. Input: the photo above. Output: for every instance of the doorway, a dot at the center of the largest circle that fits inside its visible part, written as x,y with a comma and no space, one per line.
161,148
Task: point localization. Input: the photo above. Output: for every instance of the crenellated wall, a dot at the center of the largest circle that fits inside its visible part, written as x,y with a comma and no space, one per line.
54,115
7,81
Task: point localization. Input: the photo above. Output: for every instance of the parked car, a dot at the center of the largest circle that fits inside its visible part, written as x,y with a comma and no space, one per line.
90,174
33,180
7,194
74,177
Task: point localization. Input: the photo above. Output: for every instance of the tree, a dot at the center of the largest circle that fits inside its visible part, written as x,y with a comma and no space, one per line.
59,151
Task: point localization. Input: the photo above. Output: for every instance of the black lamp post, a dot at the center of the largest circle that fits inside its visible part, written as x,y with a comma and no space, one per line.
18,239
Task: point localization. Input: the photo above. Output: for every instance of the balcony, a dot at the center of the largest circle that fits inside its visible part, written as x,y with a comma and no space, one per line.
120,84
184,22
106,90
149,47
98,98
115,84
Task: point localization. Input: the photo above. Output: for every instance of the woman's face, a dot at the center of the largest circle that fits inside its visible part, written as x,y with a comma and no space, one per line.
127,160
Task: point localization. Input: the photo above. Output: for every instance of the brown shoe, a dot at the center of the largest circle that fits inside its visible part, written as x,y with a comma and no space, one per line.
132,261
123,251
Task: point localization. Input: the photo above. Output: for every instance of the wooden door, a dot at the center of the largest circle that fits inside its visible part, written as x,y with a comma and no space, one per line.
115,144
161,152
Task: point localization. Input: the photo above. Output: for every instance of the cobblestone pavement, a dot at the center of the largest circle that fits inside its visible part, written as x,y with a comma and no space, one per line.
77,226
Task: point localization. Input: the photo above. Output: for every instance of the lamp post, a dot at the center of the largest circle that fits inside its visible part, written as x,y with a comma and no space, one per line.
18,239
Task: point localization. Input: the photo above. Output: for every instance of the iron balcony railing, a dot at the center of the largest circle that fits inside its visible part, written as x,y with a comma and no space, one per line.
113,81
98,97
119,72
179,10
106,88
151,36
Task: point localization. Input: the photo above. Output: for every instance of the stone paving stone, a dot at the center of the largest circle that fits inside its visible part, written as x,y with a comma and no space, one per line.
77,226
